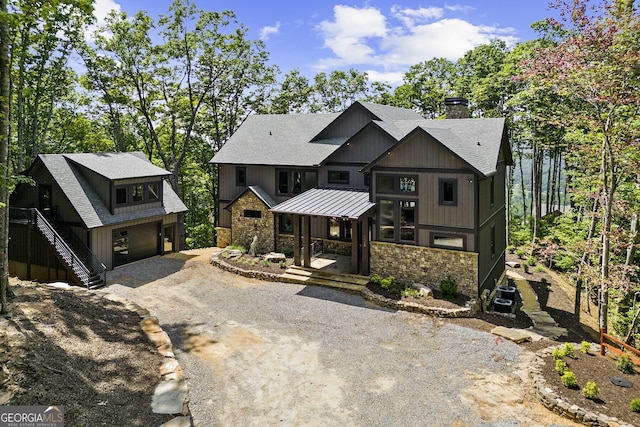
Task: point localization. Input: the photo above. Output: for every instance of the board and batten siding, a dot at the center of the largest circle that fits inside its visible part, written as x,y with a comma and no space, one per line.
98,183
347,124
102,237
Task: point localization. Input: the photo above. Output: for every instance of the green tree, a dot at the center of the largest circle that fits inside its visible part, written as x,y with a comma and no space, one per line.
5,108
596,63
334,93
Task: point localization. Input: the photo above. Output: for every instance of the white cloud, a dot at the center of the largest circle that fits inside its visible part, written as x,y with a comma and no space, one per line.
269,30
101,9
365,36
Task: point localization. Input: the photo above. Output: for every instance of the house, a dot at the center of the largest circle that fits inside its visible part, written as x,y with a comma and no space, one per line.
88,213
402,195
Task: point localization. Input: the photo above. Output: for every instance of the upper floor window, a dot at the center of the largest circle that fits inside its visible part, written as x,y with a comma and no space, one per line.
448,192
132,194
338,177
397,183
295,181
241,176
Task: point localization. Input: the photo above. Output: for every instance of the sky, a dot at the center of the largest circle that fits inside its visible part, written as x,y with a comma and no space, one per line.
380,37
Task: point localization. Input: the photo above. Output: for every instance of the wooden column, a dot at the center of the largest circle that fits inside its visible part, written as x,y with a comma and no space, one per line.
355,243
306,238
364,266
297,241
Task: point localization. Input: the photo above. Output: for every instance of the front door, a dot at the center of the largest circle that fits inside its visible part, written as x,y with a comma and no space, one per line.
45,204
168,239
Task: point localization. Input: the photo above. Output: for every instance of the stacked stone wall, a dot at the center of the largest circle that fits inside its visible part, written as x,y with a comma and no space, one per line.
411,264
223,237
244,229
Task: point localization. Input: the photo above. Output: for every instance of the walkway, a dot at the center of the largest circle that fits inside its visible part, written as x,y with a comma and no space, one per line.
543,323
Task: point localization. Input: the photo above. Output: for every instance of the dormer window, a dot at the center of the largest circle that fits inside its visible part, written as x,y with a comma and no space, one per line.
137,194
121,196
153,191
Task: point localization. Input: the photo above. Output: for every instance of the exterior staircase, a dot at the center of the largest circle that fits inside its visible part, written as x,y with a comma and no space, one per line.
312,276
88,270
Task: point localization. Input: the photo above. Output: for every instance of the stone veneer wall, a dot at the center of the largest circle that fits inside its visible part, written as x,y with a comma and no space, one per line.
411,264
285,243
245,228
223,237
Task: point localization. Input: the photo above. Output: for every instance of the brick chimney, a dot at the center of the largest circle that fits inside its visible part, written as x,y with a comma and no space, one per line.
456,108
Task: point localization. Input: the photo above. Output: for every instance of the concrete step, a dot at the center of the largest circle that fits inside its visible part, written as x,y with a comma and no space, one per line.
338,277
321,281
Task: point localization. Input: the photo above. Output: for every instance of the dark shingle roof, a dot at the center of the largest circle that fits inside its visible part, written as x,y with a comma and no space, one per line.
259,192
279,139
328,203
117,165
88,204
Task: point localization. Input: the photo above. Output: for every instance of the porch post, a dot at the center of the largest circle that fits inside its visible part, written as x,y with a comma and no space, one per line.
364,270
355,243
306,233
297,242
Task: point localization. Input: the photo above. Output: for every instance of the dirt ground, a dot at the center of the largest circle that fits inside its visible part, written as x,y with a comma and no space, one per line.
90,355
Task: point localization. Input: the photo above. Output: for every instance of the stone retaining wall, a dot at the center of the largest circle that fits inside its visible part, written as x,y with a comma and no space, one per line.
411,264
223,237
553,402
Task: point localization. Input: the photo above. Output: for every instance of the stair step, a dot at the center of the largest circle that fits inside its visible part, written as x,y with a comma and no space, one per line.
335,277
324,282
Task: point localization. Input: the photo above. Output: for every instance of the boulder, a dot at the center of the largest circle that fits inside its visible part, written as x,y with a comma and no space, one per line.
275,257
423,290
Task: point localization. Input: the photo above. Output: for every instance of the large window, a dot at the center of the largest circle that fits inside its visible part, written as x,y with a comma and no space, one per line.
137,194
448,192
396,183
285,223
295,181
121,196
396,220
153,191
339,229
134,194
449,241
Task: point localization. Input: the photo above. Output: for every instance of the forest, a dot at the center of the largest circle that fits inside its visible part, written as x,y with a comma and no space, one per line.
177,88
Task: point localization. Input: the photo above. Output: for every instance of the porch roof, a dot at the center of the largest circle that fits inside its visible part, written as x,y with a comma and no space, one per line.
328,202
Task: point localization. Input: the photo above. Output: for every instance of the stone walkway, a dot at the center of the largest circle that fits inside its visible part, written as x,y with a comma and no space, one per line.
543,323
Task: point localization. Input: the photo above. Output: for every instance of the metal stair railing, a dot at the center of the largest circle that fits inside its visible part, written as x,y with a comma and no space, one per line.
66,253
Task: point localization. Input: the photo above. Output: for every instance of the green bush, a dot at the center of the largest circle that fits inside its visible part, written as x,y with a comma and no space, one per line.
448,287
591,390
387,283
561,367
567,349
539,268
635,405
282,264
410,292
376,279
511,249
585,347
569,379
557,354
265,263
564,261
288,252
520,253
531,261
625,364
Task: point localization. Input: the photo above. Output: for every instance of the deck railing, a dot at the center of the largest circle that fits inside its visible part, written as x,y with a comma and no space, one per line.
73,261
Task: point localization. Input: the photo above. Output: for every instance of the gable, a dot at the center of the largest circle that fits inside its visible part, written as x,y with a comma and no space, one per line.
420,150
364,146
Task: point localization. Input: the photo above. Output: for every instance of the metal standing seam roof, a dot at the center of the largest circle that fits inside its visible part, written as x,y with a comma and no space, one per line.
328,202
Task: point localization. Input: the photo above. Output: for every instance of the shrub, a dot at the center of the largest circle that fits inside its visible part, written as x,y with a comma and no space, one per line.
448,287
410,292
288,252
561,367
591,390
282,264
557,354
511,249
625,364
585,347
569,379
520,253
265,263
376,279
567,349
387,283
531,261
635,405
539,268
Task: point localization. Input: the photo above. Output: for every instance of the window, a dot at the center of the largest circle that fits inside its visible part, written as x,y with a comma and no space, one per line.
448,241
241,176
407,220
121,196
448,193
285,223
153,192
137,194
339,228
338,177
396,220
251,213
295,181
396,184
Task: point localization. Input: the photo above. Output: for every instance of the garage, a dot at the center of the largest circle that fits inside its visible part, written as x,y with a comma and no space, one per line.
136,242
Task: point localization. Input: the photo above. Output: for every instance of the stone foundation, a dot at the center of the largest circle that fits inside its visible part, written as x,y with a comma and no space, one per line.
223,237
410,264
337,247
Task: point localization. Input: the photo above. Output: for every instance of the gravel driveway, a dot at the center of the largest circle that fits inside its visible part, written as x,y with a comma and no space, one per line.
261,353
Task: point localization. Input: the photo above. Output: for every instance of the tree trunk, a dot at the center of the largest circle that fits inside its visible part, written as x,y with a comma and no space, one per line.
4,157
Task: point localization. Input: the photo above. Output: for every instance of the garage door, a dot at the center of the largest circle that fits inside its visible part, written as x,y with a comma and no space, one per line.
135,243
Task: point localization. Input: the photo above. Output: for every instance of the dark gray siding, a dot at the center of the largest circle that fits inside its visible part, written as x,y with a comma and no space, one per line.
347,124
